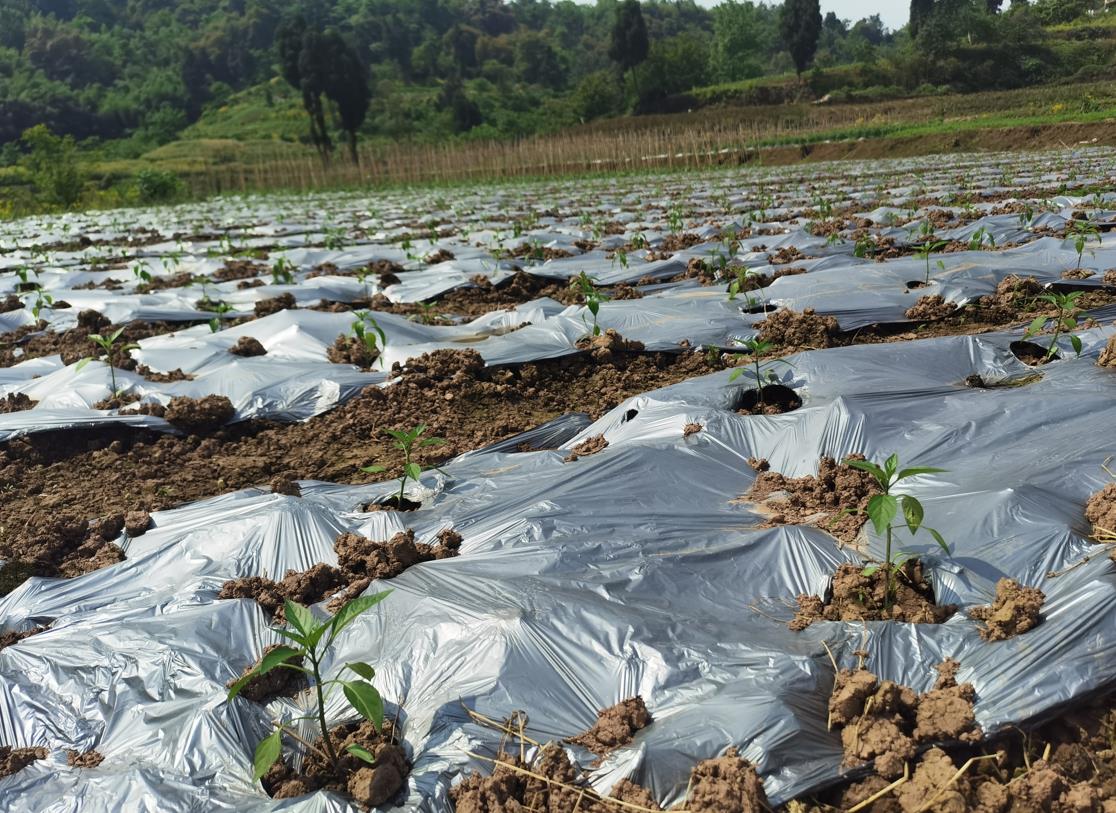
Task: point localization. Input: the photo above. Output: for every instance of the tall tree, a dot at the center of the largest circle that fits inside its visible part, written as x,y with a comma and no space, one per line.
800,24
920,12
347,87
629,44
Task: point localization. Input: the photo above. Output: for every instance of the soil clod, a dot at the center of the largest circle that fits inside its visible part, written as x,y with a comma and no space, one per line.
1015,610
587,447
615,726
199,415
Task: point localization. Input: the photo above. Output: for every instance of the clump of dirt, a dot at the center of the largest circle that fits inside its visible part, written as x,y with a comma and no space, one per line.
691,429
283,302
856,596
136,523
11,638
1031,354
239,269
788,329
74,344
817,500
10,303
1108,354
882,722
440,256
557,785
351,350
455,366
770,399
726,784
615,726
248,346
180,280
367,785
16,402
623,290
360,561
285,484
276,683
587,447
930,308
199,415
88,759
1015,610
1013,294
14,760
603,348
163,378
785,255
679,242
118,401
1101,511
1078,273
62,544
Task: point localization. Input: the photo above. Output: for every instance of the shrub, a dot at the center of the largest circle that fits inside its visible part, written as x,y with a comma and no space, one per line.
156,185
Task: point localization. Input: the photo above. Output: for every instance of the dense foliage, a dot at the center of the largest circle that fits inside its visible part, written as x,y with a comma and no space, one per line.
135,75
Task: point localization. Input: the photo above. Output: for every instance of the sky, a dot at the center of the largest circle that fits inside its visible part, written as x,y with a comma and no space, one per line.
892,12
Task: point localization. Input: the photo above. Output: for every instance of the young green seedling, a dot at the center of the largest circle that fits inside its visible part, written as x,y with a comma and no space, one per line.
1082,230
41,299
307,634
107,344
1063,322
882,510
282,272
220,308
924,251
369,333
762,372
408,443
593,298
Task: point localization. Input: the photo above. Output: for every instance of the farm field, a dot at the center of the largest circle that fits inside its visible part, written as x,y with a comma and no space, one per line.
732,490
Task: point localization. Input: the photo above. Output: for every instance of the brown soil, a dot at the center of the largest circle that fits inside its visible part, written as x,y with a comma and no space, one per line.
882,722
199,415
16,402
53,481
136,523
248,346
587,447
1066,766
1078,273
10,303
360,561
1015,610
439,256
1101,511
11,638
788,330
817,500
13,760
351,350
1108,355
239,269
615,726
367,785
608,345
770,399
89,759
854,596
276,683
74,344
691,429
162,378
679,242
930,309
726,784
557,786
283,302
180,280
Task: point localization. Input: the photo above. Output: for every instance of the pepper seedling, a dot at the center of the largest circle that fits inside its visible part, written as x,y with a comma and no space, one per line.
1082,230
882,509
369,333
107,344
924,250
1063,322
593,298
760,371
408,442
282,272
306,633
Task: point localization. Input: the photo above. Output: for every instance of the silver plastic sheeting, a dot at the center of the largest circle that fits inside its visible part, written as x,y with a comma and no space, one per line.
635,570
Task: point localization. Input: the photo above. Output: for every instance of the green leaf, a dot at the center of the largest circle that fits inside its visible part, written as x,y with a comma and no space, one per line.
869,570
882,509
891,464
432,442
912,512
299,617
116,335
347,614
267,752
1076,342
914,470
1036,326
366,700
864,465
297,637
272,660
361,752
362,669
81,363
735,374
373,469
937,538
413,470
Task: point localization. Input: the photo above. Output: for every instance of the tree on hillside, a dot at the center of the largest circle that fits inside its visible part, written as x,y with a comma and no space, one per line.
800,23
629,44
920,13
321,63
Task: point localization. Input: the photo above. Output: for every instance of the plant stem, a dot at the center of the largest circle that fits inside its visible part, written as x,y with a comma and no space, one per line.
888,567
326,741
759,381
